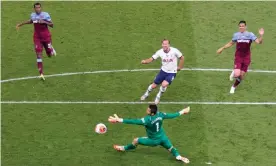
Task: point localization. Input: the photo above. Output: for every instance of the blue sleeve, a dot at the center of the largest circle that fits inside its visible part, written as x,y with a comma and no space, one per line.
234,38
47,17
31,17
253,37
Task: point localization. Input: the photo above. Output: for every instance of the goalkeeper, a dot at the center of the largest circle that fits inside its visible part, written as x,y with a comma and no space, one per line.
155,132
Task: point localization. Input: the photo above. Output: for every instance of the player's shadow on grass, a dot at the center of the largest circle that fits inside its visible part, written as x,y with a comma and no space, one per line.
152,151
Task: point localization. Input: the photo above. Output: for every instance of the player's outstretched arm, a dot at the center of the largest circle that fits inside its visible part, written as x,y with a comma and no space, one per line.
260,39
116,119
23,23
231,43
181,63
147,61
177,114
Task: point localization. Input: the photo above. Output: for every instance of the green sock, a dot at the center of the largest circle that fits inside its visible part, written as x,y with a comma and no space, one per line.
129,147
174,152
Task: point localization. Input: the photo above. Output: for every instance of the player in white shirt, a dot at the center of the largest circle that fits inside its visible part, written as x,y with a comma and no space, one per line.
169,56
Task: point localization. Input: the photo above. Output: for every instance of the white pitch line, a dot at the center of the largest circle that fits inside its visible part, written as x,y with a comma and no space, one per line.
127,70
133,102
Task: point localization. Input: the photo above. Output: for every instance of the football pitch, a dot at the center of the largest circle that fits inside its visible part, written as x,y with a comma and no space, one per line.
97,73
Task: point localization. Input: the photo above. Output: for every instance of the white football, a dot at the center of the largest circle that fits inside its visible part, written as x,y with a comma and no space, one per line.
100,128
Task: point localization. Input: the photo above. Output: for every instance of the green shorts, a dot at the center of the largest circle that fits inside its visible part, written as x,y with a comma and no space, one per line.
164,141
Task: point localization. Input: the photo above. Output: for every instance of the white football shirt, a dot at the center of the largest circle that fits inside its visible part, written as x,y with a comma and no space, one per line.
169,60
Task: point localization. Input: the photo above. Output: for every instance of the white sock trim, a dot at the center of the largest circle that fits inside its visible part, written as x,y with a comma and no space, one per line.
178,157
162,89
150,88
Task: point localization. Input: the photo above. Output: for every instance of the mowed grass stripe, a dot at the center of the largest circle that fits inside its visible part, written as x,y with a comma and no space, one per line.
188,38
130,70
133,102
229,126
93,36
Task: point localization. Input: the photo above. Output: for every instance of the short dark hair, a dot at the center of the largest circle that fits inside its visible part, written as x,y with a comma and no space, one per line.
165,40
153,109
242,22
37,4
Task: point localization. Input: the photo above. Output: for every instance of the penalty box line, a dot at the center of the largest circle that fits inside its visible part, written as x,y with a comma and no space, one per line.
133,102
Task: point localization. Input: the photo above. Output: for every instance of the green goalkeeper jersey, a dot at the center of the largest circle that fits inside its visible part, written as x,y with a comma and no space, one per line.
153,124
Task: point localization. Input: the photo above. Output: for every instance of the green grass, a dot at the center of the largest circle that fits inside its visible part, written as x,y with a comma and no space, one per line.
91,36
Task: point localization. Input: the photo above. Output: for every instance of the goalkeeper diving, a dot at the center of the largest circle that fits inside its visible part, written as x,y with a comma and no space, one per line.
155,132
